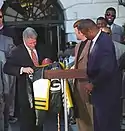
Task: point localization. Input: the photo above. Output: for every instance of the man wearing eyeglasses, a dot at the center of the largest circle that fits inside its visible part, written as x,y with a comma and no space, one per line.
117,31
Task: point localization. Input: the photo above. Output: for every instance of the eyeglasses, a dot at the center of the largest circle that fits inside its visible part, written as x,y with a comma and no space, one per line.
108,14
1,16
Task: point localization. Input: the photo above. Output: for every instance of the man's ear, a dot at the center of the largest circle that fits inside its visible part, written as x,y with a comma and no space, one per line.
79,32
89,30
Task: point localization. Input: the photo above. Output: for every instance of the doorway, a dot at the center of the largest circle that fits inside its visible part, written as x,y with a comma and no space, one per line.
45,16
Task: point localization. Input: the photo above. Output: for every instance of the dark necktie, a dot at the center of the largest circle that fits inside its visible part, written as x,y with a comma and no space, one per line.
34,58
90,48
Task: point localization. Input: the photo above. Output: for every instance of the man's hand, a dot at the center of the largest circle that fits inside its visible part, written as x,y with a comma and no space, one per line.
27,70
88,87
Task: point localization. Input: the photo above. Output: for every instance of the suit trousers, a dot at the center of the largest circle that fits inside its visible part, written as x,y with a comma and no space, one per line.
4,113
12,80
51,123
48,121
27,119
107,119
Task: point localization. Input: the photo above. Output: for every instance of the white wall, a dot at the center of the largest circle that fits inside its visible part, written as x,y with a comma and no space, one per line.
77,9
1,3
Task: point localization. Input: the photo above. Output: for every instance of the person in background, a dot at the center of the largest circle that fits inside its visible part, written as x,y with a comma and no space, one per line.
120,53
9,32
119,48
6,45
101,22
4,93
117,31
70,53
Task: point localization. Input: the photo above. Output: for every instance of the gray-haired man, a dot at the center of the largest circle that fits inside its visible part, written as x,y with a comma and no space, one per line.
20,63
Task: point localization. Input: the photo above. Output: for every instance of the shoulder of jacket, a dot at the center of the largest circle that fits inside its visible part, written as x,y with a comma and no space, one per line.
77,45
118,26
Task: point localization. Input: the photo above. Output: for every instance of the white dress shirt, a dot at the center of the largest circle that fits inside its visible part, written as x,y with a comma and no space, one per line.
1,27
94,40
29,51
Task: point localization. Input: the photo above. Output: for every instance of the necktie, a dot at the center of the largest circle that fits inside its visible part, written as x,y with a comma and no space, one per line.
90,47
34,58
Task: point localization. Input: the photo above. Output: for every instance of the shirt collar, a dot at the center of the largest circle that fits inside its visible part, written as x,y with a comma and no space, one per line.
27,47
1,27
96,37
111,26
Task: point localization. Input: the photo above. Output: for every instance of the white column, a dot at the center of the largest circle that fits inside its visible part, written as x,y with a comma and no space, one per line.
1,3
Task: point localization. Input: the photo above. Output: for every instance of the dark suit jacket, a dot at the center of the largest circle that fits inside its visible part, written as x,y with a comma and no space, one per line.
18,58
10,32
103,72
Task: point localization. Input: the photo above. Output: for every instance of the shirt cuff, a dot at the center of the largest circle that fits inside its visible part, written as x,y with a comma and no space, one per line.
21,70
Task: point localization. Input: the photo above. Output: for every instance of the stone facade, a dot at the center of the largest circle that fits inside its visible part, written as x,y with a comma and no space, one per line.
77,9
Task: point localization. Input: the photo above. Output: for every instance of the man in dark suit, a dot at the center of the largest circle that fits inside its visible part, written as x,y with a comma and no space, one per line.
20,63
105,77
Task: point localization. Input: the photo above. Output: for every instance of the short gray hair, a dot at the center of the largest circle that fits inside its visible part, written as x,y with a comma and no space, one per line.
29,33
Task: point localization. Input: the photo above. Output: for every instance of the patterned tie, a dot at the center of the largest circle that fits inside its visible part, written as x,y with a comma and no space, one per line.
34,58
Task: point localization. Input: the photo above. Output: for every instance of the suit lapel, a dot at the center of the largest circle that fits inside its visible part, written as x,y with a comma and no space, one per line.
26,53
85,49
83,53
93,53
76,52
27,56
113,28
